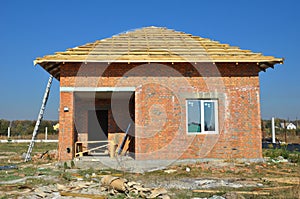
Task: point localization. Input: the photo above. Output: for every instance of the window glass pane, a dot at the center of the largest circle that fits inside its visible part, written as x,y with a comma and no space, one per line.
194,115
209,116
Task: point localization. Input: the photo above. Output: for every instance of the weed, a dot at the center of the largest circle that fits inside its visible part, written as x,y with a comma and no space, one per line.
66,166
66,176
89,171
36,181
118,196
72,164
294,158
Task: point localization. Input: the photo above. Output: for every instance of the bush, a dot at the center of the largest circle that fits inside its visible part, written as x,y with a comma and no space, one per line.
293,157
274,153
298,131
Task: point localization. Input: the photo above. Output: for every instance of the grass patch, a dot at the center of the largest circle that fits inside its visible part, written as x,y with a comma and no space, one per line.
9,177
22,147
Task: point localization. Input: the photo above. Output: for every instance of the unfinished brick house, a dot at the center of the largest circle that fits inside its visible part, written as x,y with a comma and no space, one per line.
178,96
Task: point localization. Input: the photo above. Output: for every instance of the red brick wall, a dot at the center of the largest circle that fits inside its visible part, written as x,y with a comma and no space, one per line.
160,110
67,133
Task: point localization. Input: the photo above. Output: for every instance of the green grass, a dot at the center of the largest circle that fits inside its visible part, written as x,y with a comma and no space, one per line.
9,176
20,148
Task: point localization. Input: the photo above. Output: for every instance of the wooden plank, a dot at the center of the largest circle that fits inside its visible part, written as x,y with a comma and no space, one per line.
139,59
154,43
99,147
126,146
274,188
81,153
286,180
279,172
82,195
159,47
238,192
156,52
171,57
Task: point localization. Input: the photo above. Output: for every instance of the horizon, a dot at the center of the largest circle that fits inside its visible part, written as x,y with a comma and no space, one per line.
30,30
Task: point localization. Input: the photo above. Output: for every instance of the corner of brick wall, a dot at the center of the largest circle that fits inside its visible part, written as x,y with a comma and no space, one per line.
67,135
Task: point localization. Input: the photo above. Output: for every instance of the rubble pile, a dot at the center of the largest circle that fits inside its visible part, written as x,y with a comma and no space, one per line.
107,186
116,184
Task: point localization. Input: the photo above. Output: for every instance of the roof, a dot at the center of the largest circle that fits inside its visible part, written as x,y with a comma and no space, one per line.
154,44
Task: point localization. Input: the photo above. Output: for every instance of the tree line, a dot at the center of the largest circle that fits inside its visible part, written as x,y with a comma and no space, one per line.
25,127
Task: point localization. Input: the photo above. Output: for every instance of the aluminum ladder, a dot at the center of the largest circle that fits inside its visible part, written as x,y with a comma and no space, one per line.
40,117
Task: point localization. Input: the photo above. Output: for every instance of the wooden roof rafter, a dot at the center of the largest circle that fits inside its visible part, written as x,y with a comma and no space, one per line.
154,44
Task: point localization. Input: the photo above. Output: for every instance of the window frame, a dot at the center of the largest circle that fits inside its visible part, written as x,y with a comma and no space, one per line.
216,111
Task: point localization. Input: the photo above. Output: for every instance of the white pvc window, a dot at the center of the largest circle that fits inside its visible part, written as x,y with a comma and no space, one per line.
202,116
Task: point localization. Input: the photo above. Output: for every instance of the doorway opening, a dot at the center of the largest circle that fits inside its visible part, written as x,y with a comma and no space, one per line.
102,119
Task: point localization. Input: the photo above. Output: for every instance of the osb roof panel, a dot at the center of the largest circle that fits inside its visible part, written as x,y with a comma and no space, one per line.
154,44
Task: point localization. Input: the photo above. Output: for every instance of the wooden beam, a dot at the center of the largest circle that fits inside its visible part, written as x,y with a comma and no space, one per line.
82,195
238,192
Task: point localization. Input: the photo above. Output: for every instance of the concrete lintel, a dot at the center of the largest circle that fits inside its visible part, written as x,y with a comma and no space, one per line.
96,89
204,95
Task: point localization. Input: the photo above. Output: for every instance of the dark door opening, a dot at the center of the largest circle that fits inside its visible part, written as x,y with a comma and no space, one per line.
97,127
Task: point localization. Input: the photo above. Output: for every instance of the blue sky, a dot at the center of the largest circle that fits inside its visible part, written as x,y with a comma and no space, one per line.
35,28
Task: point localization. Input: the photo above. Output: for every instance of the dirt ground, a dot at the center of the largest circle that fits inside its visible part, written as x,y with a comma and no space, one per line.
44,177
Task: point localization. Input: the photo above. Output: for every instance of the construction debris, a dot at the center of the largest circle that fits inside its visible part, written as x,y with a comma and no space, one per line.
170,171
158,192
117,184
280,159
107,186
8,167
43,157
